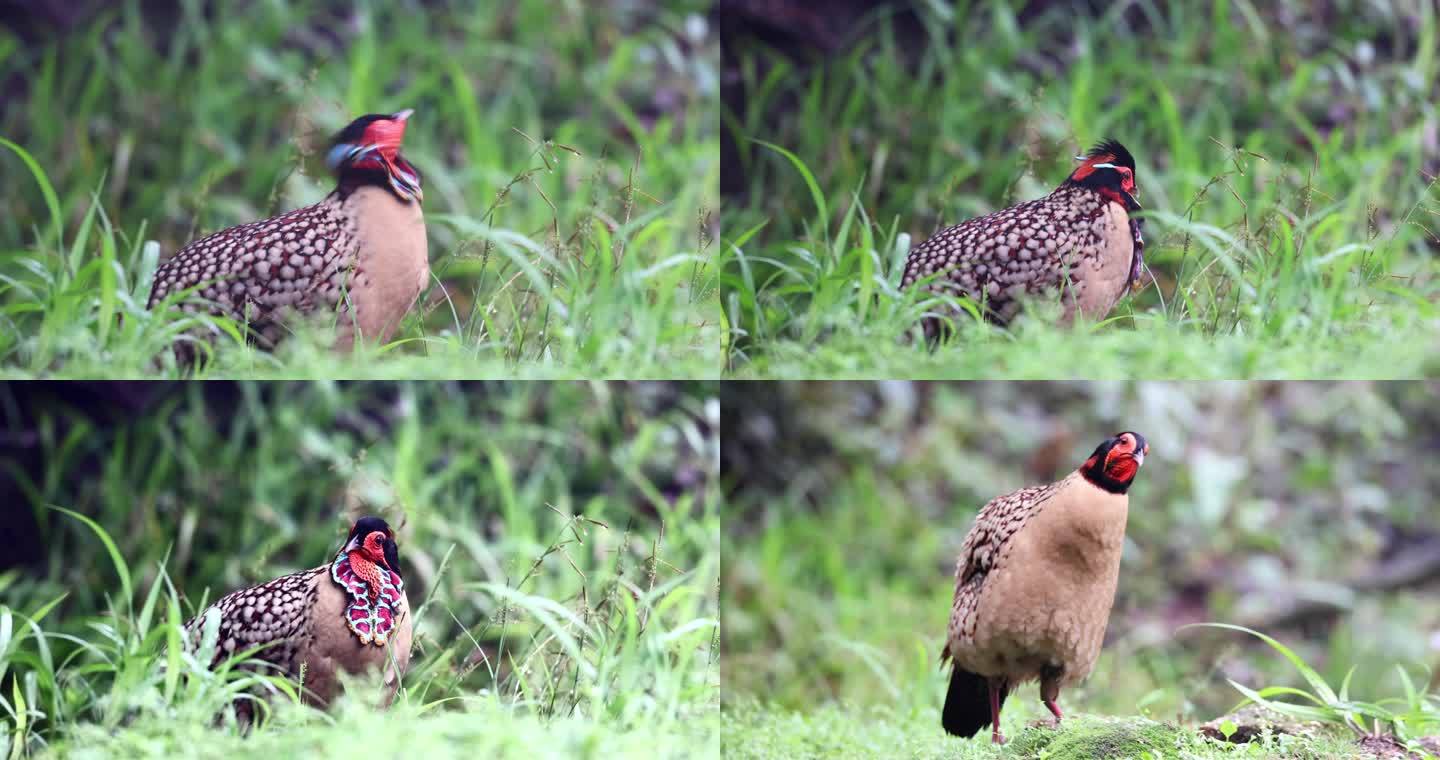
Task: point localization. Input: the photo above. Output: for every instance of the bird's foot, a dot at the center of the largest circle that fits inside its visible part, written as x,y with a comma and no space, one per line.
997,738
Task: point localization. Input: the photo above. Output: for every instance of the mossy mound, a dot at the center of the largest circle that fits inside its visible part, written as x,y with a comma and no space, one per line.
1088,737
1253,721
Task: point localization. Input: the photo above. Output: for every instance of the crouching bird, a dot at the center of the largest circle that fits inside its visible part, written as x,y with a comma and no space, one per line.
1034,585
359,256
349,615
1079,242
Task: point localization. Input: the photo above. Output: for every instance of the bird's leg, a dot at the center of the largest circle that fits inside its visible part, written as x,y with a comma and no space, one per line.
995,688
1054,710
1050,691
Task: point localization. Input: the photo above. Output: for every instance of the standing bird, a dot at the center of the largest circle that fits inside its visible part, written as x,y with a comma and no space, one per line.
360,252
348,615
1034,585
1079,241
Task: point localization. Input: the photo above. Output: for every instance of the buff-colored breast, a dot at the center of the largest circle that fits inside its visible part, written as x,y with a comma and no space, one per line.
1048,600
333,648
1101,281
393,264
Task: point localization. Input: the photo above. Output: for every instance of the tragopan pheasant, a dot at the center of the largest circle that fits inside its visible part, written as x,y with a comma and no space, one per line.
1079,241
1034,585
359,256
348,615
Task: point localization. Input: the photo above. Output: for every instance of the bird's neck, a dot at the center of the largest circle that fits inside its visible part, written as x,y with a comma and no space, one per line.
1089,520
1098,477
367,571
375,596
353,179
1108,194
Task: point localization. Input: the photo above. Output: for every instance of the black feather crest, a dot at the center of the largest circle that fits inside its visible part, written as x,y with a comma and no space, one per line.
1113,147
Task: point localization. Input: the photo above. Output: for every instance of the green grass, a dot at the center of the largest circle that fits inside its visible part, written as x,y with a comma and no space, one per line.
564,583
486,727
847,504
1306,253
569,153
1409,717
753,732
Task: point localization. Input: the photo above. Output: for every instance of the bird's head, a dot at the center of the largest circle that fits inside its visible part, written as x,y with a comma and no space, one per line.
1108,169
1116,461
368,150
372,538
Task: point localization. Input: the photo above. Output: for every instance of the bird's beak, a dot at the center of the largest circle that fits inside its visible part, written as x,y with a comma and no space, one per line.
1140,455
352,545
402,115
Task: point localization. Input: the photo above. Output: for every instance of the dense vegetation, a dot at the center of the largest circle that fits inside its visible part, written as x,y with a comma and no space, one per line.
1286,157
560,544
568,150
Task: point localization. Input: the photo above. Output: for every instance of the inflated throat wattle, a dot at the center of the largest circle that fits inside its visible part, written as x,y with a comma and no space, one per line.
374,596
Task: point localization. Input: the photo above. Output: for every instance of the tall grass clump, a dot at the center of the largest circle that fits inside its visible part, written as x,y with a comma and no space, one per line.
1288,196
570,212
556,613
1408,717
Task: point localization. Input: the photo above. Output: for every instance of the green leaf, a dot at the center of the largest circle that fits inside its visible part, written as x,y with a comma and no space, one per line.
1303,712
46,190
1316,682
115,557
173,645
22,716
815,194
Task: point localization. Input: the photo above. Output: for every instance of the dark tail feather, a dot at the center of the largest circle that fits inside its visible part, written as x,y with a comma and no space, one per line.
967,703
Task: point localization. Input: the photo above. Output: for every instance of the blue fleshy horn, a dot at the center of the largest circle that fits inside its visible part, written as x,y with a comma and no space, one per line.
345,152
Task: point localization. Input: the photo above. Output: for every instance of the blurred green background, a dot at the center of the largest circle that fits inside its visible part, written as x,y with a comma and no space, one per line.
1286,158
569,153
1304,510
560,544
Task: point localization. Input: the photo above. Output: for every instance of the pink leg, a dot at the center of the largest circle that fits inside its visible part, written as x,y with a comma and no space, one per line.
1050,690
995,736
1054,710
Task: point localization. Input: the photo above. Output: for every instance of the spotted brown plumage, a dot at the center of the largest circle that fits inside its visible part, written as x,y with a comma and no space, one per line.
1034,585
1079,242
348,615
359,255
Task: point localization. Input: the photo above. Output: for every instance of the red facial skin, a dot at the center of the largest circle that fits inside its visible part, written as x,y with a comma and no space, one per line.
386,134
1120,462
1127,177
1127,180
364,560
